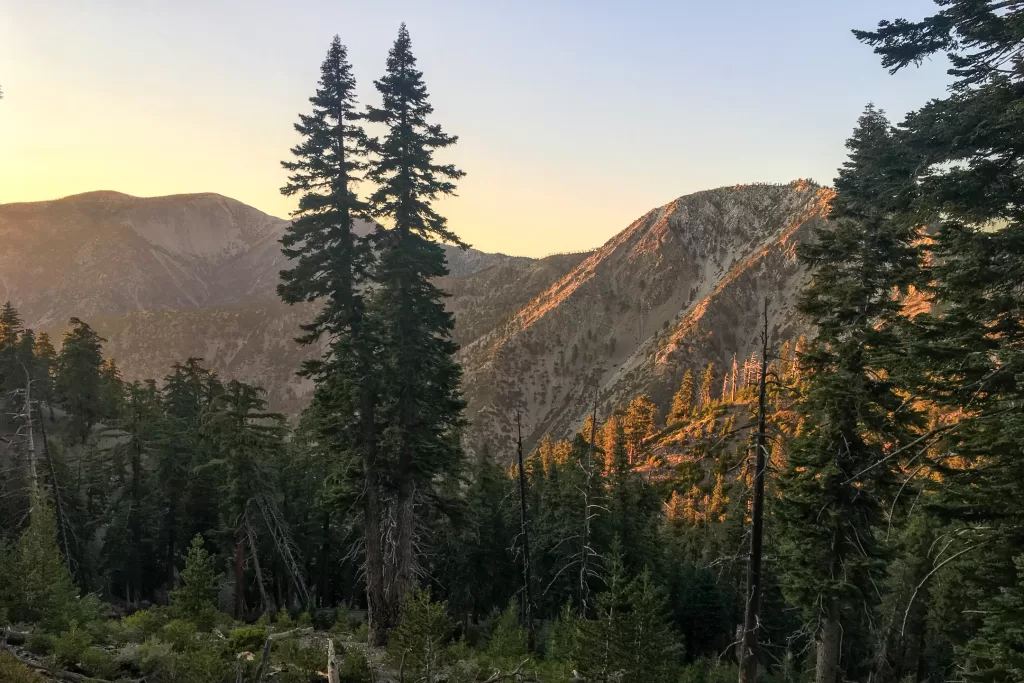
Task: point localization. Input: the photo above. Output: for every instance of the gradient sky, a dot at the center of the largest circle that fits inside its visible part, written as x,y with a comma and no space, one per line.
575,117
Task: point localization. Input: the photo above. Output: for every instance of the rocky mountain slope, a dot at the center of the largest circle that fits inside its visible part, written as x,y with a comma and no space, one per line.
194,275
683,286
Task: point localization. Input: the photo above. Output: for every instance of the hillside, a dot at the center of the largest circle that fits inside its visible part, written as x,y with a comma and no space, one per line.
166,278
683,286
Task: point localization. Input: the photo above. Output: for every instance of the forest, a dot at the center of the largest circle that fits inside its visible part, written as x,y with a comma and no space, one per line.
845,506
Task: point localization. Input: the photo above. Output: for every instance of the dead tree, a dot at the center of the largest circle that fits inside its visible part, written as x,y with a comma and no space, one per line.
589,512
752,617
527,581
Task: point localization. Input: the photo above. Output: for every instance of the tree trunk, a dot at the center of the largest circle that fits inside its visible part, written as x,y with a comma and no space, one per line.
829,643
323,571
752,616
240,576
527,581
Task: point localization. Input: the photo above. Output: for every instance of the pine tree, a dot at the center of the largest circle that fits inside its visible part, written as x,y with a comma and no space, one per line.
245,437
46,363
187,503
195,597
43,588
331,263
418,373
996,653
78,381
682,402
706,383
851,414
330,260
417,644
11,374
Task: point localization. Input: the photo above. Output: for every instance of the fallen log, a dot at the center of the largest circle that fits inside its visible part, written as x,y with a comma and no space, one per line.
261,670
14,637
63,675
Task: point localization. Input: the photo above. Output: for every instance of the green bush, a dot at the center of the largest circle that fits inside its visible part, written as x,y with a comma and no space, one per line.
508,641
420,639
99,663
13,671
69,645
355,668
159,663
39,643
179,634
361,634
707,671
145,623
247,639
323,619
302,663
284,619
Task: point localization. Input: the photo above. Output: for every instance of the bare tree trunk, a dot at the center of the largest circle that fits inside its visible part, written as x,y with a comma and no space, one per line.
752,616
324,578
265,605
33,474
240,575
527,581
333,675
829,643
585,551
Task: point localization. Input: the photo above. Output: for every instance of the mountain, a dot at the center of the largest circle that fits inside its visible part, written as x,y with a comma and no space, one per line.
681,287
166,278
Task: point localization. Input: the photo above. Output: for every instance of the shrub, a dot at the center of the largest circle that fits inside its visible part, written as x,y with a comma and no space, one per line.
247,639
509,638
69,645
159,663
303,663
179,634
13,671
284,619
419,639
361,634
707,671
144,623
304,620
355,668
324,619
39,643
99,663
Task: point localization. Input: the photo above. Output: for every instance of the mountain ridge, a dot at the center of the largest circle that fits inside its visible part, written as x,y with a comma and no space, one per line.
195,275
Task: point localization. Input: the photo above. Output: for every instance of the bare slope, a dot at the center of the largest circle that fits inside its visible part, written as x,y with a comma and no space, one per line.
681,287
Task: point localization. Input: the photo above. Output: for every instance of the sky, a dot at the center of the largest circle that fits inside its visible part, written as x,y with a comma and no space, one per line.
574,117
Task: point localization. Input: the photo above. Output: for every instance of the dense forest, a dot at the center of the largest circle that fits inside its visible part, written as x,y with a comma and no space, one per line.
843,507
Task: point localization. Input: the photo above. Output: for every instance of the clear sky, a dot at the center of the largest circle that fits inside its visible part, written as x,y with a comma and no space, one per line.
575,117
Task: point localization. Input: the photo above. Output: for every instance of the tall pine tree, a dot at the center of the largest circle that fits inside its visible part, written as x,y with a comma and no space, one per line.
851,414
422,411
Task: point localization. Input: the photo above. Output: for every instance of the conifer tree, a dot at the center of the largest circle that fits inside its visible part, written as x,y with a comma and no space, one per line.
44,590
195,597
330,264
682,402
836,475
46,360
423,413
11,375
706,382
79,383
